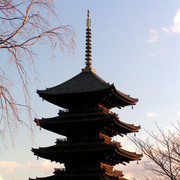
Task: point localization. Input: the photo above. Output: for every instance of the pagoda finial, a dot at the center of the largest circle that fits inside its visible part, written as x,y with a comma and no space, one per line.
88,19
88,46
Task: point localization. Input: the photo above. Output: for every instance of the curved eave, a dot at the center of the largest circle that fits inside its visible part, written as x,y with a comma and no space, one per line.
84,176
111,151
44,94
64,127
109,97
45,178
130,155
55,149
124,97
120,155
69,126
68,150
67,120
66,100
129,127
115,174
81,84
109,170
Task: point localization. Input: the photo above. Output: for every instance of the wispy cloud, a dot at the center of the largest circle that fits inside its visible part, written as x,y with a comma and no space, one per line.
176,26
153,36
152,54
160,54
152,114
166,30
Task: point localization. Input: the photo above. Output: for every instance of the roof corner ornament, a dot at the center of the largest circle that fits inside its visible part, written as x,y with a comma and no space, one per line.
88,51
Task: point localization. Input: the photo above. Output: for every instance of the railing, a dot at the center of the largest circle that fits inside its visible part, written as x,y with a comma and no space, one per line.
101,137
78,169
61,140
60,169
63,111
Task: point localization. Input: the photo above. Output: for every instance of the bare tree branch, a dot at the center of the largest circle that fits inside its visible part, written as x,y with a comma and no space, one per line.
163,152
24,23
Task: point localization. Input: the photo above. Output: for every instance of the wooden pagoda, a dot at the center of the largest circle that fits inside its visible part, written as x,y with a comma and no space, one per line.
88,153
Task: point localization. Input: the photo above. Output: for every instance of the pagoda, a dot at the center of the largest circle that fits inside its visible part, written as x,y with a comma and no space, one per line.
88,152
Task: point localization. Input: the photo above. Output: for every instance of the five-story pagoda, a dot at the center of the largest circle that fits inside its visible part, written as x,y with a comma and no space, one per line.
88,152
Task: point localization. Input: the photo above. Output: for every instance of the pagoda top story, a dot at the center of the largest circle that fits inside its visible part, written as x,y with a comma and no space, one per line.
86,84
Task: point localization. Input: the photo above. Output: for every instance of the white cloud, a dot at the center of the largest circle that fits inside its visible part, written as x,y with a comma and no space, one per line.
130,148
1,178
176,26
178,113
42,167
152,114
153,36
129,175
30,165
132,170
48,166
12,178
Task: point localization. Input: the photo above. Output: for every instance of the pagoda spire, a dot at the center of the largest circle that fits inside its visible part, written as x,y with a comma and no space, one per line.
88,55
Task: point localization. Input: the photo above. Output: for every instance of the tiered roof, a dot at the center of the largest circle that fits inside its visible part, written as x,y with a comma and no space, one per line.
68,123
91,151
89,85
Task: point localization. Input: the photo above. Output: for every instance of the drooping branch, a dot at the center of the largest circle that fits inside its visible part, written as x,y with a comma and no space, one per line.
24,23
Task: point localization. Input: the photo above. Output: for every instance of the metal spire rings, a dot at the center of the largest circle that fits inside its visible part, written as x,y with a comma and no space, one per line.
88,55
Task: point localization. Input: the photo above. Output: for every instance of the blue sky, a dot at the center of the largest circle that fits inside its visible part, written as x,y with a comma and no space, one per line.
135,45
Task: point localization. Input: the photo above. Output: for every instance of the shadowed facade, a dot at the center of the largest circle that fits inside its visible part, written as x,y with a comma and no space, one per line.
88,152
